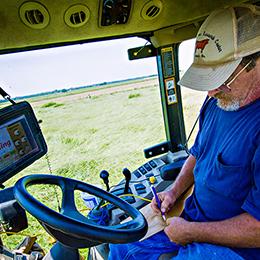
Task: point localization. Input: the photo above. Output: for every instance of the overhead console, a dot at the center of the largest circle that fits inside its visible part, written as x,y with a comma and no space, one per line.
21,139
115,12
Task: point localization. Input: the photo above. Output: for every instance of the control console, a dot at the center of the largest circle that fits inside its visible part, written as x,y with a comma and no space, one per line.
142,178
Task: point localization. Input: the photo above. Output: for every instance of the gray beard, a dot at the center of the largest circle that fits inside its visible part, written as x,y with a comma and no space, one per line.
232,106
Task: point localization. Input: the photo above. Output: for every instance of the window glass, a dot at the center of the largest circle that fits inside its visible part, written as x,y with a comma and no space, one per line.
98,109
191,99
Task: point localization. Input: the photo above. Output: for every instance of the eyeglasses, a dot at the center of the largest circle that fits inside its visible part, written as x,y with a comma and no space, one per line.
225,87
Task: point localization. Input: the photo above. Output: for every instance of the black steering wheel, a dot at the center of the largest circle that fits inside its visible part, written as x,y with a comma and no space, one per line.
69,226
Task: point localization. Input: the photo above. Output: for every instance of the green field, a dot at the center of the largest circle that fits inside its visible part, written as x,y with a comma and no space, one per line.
86,134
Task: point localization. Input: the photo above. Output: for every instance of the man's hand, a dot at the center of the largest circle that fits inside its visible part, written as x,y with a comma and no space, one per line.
178,230
167,199
184,180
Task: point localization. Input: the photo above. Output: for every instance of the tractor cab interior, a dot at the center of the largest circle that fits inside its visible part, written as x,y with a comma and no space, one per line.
31,25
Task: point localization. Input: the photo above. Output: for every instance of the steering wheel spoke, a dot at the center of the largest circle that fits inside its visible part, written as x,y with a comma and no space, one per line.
68,199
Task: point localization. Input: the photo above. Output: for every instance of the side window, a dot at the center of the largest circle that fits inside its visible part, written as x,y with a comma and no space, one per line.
192,100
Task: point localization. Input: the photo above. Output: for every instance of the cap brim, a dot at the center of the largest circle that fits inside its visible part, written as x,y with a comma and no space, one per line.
206,77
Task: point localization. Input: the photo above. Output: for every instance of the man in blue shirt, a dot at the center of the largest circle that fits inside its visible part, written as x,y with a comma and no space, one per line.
221,219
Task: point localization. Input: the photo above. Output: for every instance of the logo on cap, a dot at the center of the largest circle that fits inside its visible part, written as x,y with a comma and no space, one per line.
200,45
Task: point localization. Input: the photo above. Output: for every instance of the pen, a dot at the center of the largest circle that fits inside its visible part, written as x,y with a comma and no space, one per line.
158,201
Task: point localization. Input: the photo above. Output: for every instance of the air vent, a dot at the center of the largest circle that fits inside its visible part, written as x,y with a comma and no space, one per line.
151,9
77,16
34,15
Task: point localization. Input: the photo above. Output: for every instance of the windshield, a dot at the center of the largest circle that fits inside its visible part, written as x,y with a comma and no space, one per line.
98,109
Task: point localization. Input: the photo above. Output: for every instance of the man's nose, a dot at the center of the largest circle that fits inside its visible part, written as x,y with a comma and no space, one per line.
223,88
212,93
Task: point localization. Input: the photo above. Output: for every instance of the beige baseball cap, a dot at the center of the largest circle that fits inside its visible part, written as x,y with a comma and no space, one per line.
225,37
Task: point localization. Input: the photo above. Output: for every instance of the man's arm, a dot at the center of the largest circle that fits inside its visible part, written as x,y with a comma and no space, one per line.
240,231
184,180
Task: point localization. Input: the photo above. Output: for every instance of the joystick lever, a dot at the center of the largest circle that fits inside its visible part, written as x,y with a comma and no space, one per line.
104,176
127,175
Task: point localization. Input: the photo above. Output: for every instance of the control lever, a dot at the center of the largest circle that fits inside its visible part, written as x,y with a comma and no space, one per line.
104,176
127,175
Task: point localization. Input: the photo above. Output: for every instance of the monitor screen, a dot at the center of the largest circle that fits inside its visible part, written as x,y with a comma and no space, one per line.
21,140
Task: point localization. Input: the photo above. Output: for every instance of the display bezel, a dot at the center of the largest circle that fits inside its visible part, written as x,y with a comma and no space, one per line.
20,115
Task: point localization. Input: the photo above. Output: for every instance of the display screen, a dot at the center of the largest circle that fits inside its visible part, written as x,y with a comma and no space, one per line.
21,140
16,142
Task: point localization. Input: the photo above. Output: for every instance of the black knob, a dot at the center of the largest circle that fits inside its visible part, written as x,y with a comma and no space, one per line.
104,176
127,175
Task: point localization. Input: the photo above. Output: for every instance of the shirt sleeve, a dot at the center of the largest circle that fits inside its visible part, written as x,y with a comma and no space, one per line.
194,150
252,202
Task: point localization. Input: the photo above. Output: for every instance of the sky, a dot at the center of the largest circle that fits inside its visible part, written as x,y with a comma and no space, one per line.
79,65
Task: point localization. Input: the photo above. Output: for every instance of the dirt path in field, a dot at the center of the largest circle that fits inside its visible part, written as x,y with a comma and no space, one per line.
101,91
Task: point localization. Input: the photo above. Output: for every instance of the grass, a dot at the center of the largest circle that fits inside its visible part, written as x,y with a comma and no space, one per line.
52,104
87,135
134,95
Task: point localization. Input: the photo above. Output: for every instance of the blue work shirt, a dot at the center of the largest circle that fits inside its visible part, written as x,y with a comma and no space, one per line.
227,171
